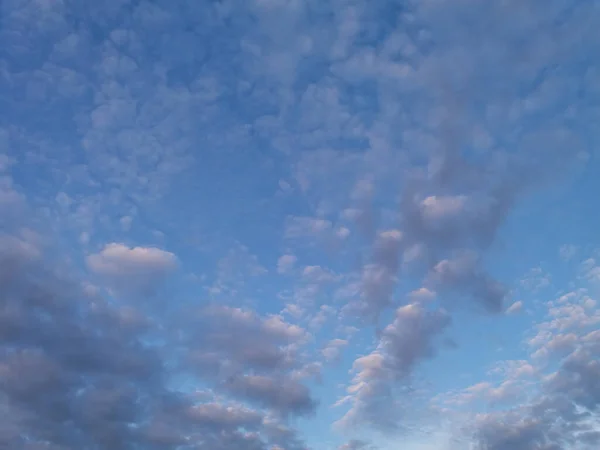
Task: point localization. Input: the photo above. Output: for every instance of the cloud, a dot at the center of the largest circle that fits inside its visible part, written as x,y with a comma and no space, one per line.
568,251
284,395
118,259
421,295
233,269
463,275
333,349
515,308
536,280
384,373
251,357
565,405
355,444
285,263
131,269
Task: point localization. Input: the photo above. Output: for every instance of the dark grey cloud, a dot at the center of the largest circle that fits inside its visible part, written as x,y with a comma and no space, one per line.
241,339
79,372
280,393
68,378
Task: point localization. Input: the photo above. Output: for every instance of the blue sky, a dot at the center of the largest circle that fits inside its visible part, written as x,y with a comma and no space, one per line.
299,224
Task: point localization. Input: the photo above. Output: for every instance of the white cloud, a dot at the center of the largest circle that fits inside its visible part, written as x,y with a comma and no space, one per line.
286,263
119,260
515,308
134,269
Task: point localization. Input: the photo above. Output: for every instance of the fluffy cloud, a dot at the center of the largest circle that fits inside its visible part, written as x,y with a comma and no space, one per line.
251,357
565,410
463,275
78,371
71,374
285,263
385,372
132,268
333,349
120,260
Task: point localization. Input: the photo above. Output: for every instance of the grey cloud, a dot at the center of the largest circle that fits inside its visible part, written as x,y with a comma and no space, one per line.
132,269
245,340
224,417
251,356
463,275
477,148
563,414
382,376
73,375
79,371
409,338
67,378
379,277
333,349
284,395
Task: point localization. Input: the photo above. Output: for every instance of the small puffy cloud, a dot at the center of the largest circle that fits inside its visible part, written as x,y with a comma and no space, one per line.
233,269
126,222
421,295
439,208
306,227
283,394
515,308
319,319
463,274
535,280
18,250
380,276
591,270
285,263
318,275
119,260
132,269
333,349
356,444
342,233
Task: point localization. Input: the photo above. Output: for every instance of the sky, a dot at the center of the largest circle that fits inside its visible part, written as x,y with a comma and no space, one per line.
299,225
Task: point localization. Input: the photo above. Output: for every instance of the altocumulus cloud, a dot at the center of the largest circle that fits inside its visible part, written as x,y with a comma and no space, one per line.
217,219
132,268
